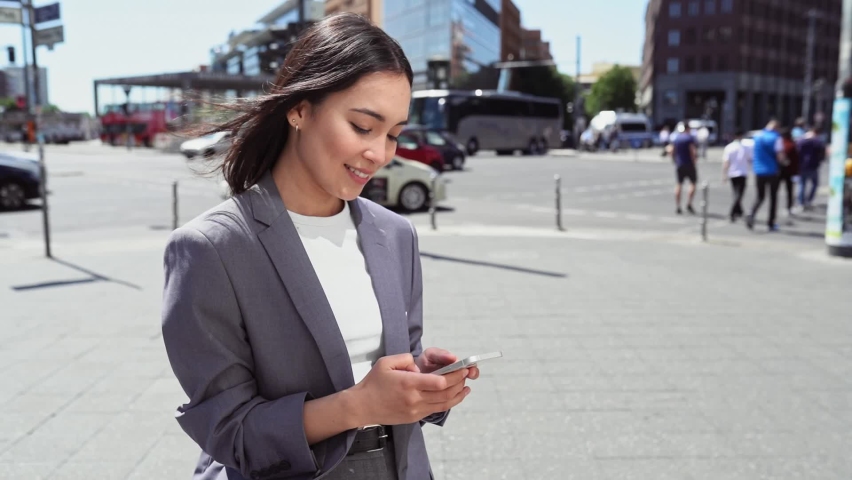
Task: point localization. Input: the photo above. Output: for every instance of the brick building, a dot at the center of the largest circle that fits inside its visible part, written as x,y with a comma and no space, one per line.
739,62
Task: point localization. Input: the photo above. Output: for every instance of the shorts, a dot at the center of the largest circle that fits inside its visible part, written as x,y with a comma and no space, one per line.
687,172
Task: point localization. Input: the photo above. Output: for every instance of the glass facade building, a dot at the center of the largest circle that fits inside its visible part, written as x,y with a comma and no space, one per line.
465,32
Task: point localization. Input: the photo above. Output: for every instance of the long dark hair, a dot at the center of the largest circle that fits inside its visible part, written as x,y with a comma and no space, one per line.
330,56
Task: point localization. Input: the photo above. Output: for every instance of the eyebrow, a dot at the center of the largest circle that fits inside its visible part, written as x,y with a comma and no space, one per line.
376,115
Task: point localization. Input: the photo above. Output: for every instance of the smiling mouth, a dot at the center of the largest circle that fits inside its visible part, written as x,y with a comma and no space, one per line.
358,173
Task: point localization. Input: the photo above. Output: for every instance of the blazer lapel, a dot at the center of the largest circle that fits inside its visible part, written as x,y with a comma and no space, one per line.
284,247
386,282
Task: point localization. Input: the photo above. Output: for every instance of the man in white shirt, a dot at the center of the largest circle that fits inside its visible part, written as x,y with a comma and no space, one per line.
735,167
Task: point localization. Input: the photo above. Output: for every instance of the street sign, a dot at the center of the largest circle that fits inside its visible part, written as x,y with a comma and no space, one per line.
47,13
10,15
49,36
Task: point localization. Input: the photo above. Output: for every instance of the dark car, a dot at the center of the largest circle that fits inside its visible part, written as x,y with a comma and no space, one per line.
20,180
453,153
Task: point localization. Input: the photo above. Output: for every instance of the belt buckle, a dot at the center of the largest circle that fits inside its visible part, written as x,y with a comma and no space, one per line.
383,436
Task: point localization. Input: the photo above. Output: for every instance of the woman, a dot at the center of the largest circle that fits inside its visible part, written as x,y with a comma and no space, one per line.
293,312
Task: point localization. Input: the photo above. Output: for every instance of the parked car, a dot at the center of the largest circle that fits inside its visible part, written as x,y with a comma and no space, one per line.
20,179
405,184
206,146
410,147
452,151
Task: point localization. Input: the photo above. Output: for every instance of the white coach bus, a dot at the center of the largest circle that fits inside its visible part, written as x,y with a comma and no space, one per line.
490,120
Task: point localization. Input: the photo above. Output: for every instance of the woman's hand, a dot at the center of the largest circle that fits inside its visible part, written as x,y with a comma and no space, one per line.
435,358
395,392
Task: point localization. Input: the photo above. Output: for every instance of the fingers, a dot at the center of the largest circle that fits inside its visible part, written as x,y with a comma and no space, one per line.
403,361
473,373
437,383
439,356
452,403
443,396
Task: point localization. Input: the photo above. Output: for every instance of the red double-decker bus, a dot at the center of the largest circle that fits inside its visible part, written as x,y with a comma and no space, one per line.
146,121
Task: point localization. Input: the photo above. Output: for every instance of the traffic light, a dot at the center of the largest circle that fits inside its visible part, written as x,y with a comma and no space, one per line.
11,51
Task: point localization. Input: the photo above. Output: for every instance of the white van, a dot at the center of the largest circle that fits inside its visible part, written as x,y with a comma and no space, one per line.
636,129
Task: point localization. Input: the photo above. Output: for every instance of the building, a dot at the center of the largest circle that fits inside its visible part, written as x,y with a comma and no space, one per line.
510,31
15,85
599,69
371,9
739,62
260,49
465,32
532,46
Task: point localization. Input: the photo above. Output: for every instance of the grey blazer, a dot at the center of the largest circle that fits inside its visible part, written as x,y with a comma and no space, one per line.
250,335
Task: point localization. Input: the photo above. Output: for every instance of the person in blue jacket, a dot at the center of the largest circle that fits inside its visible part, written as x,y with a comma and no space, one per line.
768,157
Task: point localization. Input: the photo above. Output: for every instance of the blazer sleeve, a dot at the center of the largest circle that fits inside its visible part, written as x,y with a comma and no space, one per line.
208,349
415,317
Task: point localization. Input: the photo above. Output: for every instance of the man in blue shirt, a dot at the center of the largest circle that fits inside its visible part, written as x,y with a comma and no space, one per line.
767,156
683,152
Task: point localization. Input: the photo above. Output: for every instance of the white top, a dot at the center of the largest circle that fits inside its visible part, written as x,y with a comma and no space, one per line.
333,247
739,158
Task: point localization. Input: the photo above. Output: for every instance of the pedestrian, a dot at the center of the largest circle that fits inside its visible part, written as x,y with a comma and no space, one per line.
684,156
736,164
798,129
812,153
789,171
664,140
768,149
292,312
703,137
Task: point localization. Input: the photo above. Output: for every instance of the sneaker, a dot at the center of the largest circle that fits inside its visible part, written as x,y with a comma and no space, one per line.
690,209
750,222
773,227
679,211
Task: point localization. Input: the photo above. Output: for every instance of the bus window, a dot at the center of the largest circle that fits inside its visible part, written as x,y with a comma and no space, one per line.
432,113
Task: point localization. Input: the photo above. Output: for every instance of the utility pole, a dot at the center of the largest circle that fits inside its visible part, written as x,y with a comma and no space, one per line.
45,212
301,12
28,101
578,114
809,66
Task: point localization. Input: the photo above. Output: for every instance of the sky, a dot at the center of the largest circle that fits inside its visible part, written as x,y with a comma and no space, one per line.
114,38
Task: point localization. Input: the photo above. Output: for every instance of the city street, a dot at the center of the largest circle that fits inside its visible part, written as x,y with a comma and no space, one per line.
632,350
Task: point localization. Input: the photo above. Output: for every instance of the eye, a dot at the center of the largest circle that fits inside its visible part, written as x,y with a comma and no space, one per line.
359,130
392,138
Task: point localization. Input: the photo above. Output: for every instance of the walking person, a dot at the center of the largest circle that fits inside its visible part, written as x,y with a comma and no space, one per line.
664,140
293,312
684,156
703,137
812,152
736,164
768,149
789,171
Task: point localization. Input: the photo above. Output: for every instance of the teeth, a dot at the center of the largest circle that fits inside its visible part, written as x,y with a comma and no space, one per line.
356,172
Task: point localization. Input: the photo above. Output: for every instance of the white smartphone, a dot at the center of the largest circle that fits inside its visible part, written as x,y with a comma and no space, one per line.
467,362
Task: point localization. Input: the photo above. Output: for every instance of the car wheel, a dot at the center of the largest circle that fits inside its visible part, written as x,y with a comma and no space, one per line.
647,144
472,146
12,196
458,162
542,147
533,148
413,197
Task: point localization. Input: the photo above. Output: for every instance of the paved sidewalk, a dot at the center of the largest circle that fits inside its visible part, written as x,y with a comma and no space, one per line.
626,356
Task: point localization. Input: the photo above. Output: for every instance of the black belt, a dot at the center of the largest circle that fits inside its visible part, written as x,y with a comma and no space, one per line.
371,439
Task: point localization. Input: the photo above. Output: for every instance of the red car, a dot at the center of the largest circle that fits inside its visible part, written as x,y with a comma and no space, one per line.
408,146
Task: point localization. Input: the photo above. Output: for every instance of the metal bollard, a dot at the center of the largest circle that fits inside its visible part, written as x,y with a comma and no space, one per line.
558,180
433,207
174,205
705,191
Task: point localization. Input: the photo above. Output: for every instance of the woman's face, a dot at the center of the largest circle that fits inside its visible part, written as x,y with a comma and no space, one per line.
352,134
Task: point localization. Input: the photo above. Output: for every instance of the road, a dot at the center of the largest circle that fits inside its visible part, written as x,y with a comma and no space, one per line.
95,187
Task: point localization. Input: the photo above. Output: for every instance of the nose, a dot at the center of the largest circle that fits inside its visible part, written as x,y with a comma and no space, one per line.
377,152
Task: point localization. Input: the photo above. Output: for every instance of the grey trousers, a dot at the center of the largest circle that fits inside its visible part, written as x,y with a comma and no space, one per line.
379,465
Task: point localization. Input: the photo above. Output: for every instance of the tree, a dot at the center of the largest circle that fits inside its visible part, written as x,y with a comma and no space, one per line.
615,90
546,82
